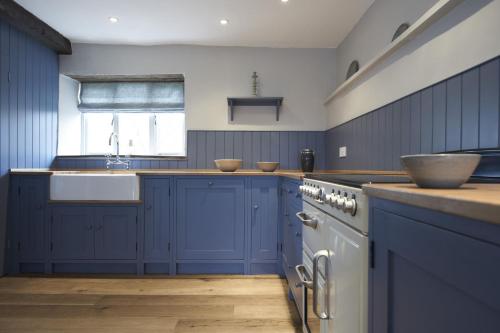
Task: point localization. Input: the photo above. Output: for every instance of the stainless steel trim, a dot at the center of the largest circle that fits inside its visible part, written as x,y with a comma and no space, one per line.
321,315
301,272
308,222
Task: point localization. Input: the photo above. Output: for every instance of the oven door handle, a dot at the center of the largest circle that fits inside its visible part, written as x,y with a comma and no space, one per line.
317,257
306,220
301,269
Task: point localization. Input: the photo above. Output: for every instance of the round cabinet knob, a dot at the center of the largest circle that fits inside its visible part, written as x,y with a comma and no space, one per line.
350,206
255,206
210,183
149,207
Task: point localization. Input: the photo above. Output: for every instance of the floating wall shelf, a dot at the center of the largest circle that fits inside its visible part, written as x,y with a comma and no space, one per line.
441,8
233,102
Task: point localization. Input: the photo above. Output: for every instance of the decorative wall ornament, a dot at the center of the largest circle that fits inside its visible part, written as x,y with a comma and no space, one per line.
255,84
353,68
399,31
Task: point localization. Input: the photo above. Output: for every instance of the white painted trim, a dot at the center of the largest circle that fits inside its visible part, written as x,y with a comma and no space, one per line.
440,9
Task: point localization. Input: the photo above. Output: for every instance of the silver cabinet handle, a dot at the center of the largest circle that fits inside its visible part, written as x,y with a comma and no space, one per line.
320,254
308,222
301,272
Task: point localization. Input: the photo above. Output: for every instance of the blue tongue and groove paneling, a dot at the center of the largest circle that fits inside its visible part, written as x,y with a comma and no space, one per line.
460,113
29,90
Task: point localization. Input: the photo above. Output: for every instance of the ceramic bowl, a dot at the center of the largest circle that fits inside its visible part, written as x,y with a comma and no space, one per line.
440,170
228,165
268,166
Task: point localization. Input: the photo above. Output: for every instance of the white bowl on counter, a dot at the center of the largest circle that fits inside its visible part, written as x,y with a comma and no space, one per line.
440,170
268,166
228,165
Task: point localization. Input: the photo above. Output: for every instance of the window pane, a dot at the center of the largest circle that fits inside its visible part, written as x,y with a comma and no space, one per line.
97,129
135,134
170,134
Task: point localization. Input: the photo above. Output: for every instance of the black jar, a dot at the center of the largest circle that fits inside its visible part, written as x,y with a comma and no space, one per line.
307,160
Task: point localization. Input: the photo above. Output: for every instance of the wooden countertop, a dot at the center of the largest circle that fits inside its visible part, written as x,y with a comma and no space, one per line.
295,174
475,201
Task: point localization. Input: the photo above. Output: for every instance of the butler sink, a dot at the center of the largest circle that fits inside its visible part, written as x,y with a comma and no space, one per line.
105,186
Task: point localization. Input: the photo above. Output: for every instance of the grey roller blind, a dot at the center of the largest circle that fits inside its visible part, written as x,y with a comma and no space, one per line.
122,96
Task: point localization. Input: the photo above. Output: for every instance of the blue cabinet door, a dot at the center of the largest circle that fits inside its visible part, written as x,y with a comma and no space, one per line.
427,279
32,207
116,233
210,218
157,219
264,223
72,232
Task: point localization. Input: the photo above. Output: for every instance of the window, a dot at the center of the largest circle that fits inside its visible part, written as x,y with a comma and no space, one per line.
147,117
139,133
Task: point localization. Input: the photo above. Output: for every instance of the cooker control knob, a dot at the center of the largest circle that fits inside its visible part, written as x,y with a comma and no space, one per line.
310,191
302,189
330,199
350,206
340,202
315,193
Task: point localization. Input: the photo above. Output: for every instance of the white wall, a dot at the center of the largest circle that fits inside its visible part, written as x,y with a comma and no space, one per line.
466,37
304,77
69,129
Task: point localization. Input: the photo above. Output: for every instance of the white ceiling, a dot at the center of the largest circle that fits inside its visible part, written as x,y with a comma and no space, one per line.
270,23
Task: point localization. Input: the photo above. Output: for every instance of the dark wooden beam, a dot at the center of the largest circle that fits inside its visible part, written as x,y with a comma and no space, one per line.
21,19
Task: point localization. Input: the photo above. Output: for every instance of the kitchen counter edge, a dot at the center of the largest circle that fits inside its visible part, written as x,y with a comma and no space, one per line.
475,201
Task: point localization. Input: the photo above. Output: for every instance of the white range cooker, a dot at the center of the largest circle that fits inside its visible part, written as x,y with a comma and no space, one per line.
334,273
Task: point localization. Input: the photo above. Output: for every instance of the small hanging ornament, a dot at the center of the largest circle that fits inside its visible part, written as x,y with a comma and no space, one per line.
255,84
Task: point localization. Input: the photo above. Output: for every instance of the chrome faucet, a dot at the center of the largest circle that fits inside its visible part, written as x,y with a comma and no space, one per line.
117,160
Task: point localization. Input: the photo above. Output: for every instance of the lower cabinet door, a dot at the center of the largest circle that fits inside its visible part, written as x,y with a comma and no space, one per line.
427,279
116,233
210,218
264,223
31,223
156,219
72,233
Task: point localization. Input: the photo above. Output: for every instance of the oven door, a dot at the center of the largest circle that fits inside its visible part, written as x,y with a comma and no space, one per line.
347,278
315,297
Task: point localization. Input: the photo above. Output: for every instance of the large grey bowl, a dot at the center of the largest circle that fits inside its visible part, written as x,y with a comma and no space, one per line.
440,170
228,165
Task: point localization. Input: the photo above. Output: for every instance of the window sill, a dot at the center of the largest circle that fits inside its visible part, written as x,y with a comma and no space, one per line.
132,158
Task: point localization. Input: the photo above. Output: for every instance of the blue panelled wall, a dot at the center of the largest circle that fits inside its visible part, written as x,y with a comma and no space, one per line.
28,108
459,113
203,147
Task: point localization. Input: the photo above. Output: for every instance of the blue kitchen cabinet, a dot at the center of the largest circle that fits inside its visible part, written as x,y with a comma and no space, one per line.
72,233
210,223
32,204
291,203
157,219
432,272
264,220
116,233
93,233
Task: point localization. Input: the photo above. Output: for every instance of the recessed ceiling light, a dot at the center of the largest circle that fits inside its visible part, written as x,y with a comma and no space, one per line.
224,22
113,19
284,1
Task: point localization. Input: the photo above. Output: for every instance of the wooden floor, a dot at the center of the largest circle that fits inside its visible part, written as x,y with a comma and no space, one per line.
192,304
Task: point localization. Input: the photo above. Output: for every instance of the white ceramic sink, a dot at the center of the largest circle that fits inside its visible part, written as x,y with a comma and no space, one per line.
94,186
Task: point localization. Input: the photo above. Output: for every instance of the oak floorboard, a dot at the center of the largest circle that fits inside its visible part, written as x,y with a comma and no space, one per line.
168,305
